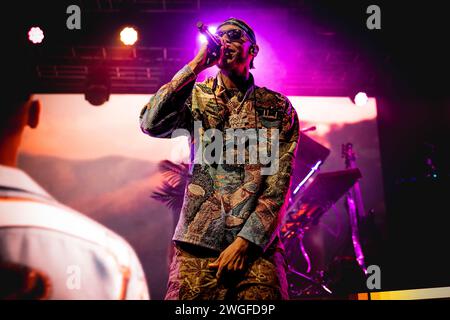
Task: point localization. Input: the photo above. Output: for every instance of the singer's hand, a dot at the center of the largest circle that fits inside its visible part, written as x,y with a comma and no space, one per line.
198,64
233,258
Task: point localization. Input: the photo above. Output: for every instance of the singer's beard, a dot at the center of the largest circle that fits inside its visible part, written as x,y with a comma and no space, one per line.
226,62
229,62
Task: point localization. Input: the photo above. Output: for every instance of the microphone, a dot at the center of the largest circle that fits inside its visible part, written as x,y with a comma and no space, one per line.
214,43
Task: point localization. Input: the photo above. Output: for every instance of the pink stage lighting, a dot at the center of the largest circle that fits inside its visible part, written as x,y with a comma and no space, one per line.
128,36
361,99
202,38
35,35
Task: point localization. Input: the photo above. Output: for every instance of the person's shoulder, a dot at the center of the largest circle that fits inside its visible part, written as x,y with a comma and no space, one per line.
205,86
53,216
269,92
274,99
86,228
96,225
105,237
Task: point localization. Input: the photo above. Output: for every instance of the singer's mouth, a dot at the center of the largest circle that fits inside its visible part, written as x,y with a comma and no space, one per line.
228,53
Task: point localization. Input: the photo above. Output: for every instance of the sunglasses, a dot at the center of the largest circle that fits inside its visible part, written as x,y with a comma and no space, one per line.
233,34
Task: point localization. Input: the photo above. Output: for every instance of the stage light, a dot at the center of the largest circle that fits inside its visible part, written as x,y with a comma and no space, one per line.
202,38
35,35
128,36
361,99
212,29
98,86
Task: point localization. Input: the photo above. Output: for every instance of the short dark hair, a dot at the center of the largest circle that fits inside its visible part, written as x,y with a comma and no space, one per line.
18,73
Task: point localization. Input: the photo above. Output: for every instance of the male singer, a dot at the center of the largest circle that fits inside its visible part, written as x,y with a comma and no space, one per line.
226,241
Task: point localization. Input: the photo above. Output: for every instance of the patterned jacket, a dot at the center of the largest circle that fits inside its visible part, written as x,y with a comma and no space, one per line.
223,201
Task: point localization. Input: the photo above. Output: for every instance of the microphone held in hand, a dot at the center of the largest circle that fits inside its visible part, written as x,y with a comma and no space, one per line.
214,43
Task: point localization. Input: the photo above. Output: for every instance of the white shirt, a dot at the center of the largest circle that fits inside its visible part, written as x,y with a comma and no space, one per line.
81,258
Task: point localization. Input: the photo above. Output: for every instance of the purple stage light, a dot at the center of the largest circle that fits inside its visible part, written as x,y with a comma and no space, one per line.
279,53
202,38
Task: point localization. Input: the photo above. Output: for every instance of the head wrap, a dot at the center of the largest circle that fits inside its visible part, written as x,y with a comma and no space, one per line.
242,25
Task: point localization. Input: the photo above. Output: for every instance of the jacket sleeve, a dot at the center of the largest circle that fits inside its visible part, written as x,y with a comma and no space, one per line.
137,284
262,225
170,107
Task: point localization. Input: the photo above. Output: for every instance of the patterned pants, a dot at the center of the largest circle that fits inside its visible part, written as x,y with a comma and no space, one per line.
190,278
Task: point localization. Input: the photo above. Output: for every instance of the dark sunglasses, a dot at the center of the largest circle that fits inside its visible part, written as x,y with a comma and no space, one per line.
233,34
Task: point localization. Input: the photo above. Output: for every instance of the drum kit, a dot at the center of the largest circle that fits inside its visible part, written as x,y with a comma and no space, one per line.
313,194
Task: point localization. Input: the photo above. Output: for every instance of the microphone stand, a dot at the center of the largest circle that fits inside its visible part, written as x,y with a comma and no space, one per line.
354,206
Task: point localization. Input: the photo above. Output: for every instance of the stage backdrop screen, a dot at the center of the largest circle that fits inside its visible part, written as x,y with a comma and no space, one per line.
98,161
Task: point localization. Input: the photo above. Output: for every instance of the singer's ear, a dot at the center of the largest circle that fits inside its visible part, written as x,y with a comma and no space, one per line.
254,49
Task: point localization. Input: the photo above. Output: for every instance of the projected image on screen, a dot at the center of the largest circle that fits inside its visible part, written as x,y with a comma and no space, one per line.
98,161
